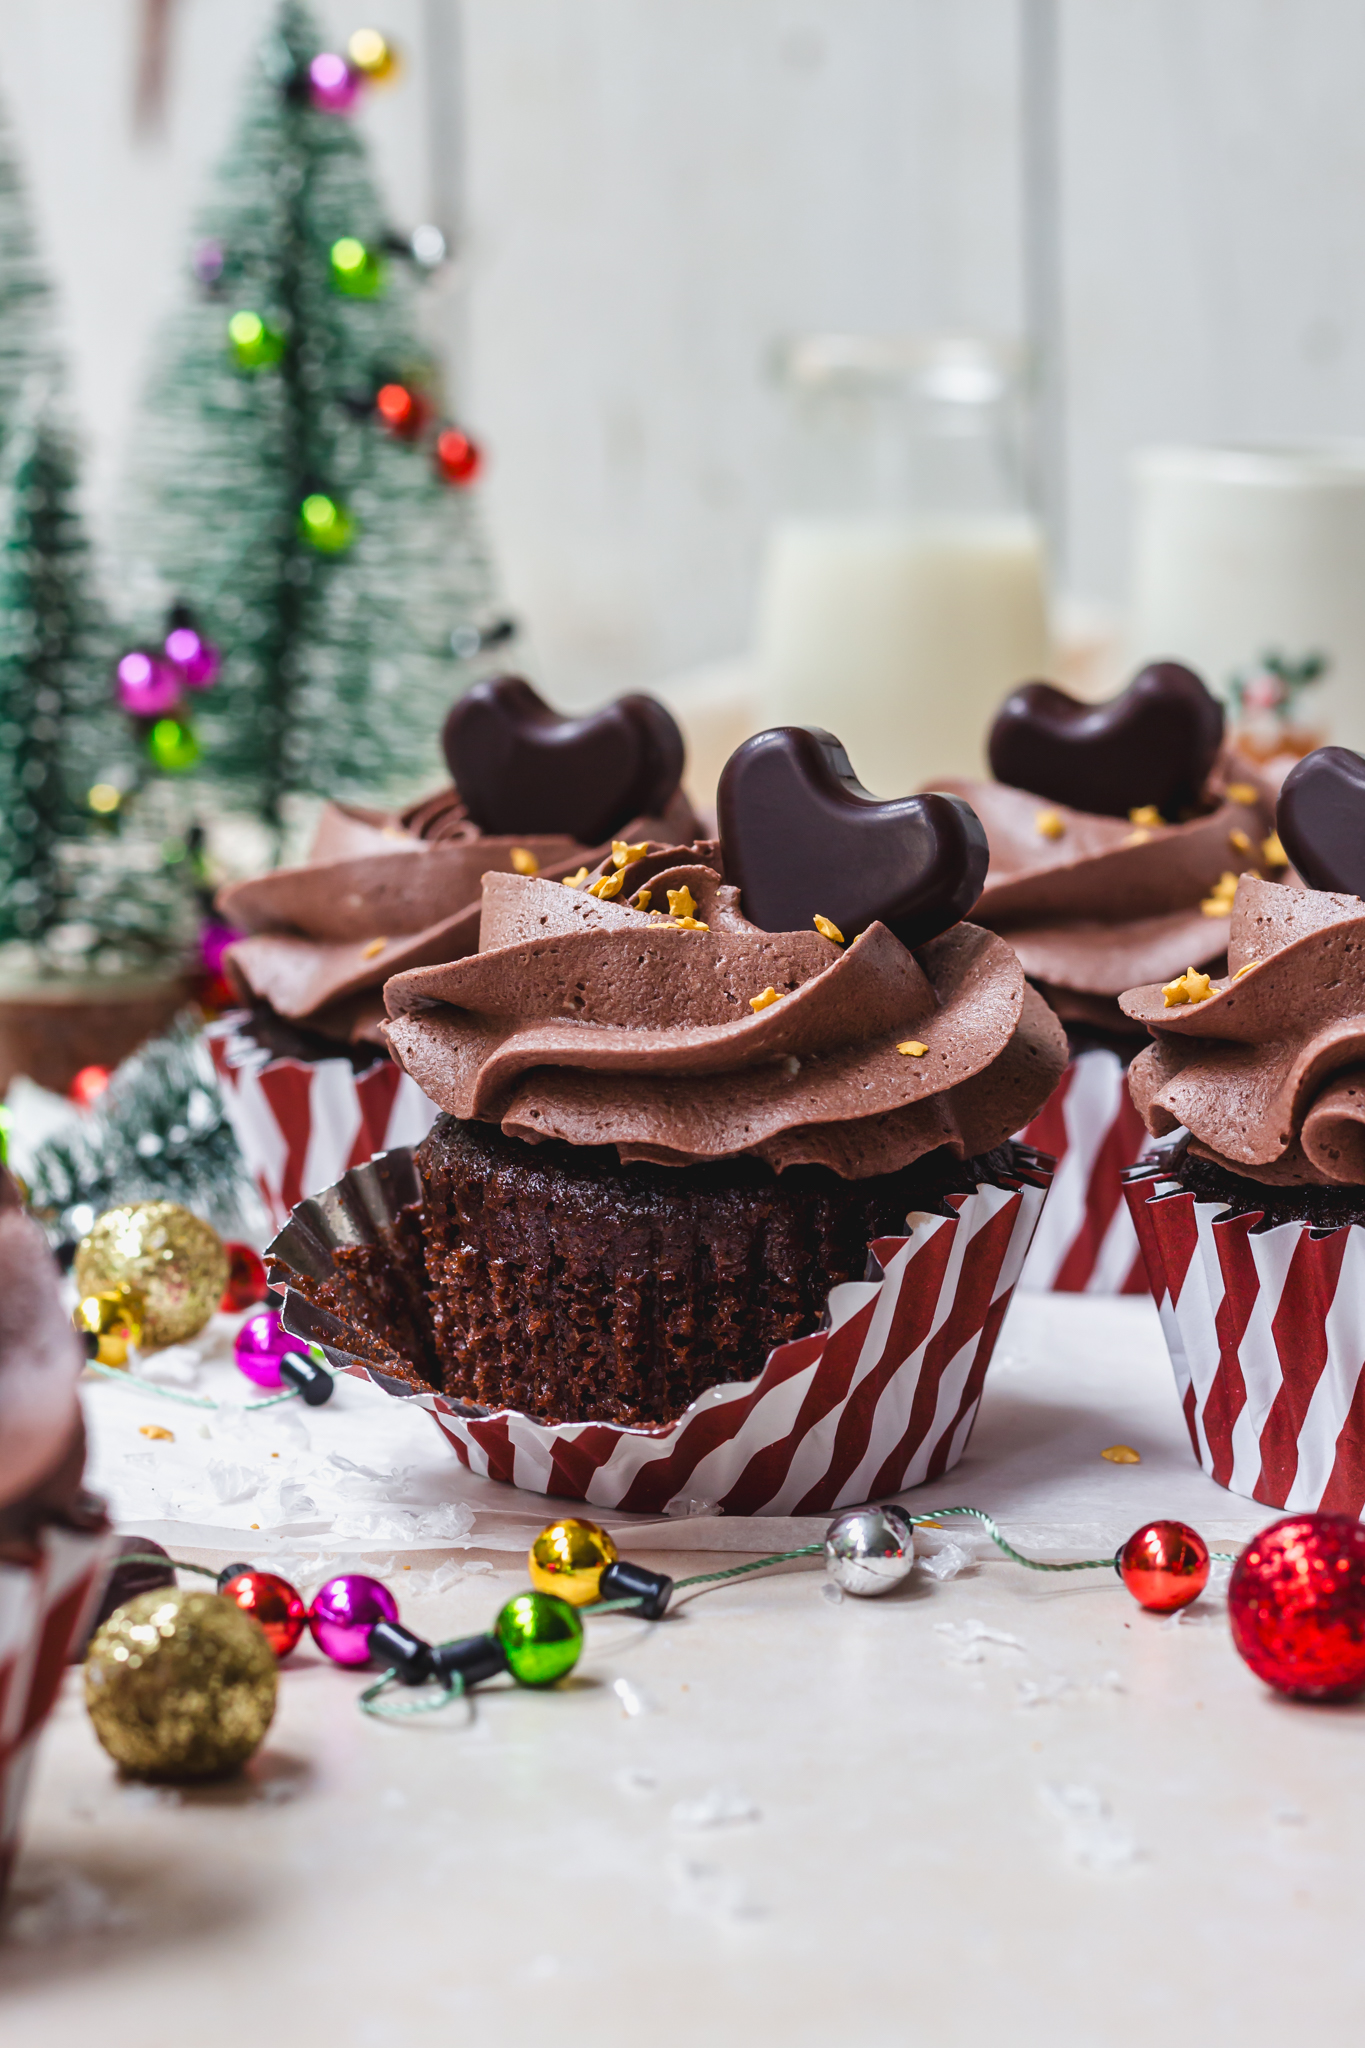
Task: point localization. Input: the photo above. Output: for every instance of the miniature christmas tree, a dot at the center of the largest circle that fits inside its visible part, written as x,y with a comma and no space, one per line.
76,891
291,489
25,298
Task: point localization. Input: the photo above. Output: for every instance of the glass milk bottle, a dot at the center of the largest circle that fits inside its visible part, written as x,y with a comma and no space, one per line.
903,587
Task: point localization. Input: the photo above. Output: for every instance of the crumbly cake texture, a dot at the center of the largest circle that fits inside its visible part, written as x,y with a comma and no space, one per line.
554,1280
1324,1208
283,1039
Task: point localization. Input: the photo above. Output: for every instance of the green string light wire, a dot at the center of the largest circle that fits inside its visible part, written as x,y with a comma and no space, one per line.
135,1385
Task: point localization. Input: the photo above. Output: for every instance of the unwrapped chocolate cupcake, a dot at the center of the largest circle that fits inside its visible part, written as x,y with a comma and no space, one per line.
308,1078
1252,1219
673,1135
53,1535
1117,834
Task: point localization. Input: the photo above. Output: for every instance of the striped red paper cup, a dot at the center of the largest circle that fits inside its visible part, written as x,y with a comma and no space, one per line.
43,1609
1266,1331
301,1123
1085,1242
882,1397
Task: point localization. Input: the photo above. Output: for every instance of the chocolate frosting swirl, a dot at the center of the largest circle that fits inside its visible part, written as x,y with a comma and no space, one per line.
381,892
598,1024
1268,1073
1093,905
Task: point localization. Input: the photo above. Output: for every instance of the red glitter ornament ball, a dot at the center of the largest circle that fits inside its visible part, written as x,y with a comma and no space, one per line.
1164,1565
273,1602
88,1085
1296,1601
246,1282
458,459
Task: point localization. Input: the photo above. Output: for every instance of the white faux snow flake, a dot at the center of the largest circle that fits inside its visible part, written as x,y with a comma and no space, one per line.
712,1893
718,1808
946,1561
968,1641
1091,1837
1061,1690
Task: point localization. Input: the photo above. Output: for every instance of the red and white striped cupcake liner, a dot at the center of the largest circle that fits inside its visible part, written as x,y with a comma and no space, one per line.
43,1609
1266,1331
300,1123
1085,1242
881,1398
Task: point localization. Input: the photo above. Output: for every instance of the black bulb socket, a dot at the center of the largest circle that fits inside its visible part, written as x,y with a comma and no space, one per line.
307,1377
472,1658
626,1581
409,1656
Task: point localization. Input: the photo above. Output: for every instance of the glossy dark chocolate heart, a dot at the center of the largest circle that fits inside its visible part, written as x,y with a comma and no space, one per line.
1320,818
803,838
1152,744
520,767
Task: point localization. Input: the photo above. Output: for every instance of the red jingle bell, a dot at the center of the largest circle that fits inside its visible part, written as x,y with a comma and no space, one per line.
1164,1565
246,1281
271,1601
1296,1601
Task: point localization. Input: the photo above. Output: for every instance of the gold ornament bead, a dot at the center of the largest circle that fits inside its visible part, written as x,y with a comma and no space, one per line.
180,1685
176,1263
111,1323
569,1559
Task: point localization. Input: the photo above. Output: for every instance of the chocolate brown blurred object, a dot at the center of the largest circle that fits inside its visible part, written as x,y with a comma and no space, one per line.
50,1030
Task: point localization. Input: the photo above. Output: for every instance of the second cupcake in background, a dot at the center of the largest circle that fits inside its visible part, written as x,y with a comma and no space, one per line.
1117,834
307,1076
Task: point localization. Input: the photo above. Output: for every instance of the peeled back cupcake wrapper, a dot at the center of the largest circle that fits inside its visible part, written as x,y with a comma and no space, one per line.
1085,1242
43,1609
880,1399
301,1123
1266,1332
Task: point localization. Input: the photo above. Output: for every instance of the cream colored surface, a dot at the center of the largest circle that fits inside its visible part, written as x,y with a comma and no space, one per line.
998,1809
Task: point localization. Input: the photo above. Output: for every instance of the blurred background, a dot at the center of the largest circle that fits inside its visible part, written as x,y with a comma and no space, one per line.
1150,206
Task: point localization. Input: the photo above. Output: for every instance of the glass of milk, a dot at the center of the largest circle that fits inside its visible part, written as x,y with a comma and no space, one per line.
903,591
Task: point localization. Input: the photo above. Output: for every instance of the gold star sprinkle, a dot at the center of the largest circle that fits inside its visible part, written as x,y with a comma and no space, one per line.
623,853
1242,792
1272,853
680,903
375,947
766,1000
1192,987
1138,838
1218,902
156,1429
1122,1454
915,1047
1239,842
1145,814
641,899
690,924
524,861
1246,969
608,885
1049,825
576,881
828,930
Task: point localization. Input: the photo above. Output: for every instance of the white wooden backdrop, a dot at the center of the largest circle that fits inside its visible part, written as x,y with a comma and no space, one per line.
654,191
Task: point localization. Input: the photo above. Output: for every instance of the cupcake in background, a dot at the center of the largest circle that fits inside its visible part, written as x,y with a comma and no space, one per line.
1117,835
309,1082
1252,1216
686,1107
53,1535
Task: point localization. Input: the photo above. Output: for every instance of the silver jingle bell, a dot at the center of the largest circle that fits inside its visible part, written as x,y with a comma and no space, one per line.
870,1550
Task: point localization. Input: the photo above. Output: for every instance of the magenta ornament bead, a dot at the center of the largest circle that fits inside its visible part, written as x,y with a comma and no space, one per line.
332,85
343,1613
197,662
147,686
259,1346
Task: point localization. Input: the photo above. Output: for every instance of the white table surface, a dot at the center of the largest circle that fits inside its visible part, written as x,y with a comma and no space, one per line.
994,1808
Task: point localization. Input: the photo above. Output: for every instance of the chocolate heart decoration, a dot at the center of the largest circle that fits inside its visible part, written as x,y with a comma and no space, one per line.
803,838
1320,818
1152,744
520,767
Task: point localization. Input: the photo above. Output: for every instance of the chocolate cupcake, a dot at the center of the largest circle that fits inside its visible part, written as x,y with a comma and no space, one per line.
52,1533
1117,834
383,892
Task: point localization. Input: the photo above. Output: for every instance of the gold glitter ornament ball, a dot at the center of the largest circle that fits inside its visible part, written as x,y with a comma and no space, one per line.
569,1559
180,1685
176,1263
